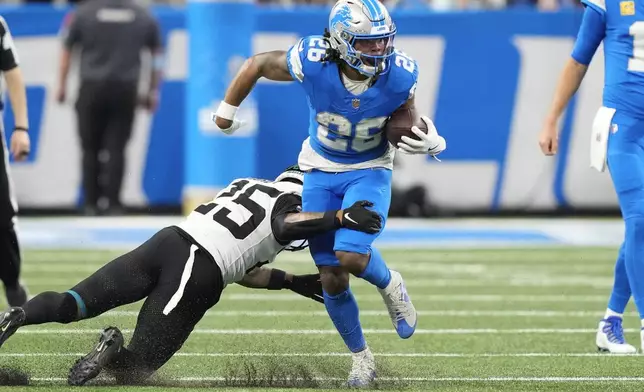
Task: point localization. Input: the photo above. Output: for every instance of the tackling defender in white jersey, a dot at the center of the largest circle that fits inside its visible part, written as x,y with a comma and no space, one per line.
182,270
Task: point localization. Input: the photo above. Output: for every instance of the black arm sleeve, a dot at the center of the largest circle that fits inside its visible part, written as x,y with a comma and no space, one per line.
285,232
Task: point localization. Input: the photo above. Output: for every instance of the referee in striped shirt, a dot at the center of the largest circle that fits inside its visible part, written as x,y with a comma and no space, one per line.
19,148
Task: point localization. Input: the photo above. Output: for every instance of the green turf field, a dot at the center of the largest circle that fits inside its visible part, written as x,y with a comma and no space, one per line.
489,320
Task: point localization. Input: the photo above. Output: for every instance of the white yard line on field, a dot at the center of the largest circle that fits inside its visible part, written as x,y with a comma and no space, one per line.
394,379
431,298
425,298
337,354
453,331
380,313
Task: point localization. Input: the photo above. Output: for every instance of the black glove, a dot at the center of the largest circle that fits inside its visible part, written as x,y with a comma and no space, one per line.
358,217
308,286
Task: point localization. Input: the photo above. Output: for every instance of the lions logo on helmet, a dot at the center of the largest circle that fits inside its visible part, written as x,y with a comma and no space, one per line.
362,33
342,16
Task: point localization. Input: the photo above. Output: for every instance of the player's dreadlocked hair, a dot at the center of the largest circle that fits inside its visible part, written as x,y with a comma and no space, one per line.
332,55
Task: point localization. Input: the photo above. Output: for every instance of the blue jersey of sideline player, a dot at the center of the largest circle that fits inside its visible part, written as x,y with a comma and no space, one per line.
354,80
617,141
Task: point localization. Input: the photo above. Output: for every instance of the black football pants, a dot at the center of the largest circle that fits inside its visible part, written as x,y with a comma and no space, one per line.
179,282
9,248
105,114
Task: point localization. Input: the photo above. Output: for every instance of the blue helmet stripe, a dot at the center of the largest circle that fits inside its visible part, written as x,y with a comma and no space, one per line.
374,11
369,5
380,13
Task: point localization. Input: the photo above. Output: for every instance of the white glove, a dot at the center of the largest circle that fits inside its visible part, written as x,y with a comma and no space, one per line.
430,143
237,123
227,112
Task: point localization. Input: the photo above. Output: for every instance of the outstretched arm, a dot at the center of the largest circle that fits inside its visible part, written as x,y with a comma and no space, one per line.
308,286
270,65
289,224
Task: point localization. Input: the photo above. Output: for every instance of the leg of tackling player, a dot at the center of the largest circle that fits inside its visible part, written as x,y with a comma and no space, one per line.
165,321
173,306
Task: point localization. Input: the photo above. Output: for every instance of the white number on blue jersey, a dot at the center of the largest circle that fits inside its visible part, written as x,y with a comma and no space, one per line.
317,49
636,63
343,132
363,141
402,60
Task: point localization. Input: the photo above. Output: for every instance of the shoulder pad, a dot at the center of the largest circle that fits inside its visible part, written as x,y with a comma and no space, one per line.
597,5
288,187
403,73
305,57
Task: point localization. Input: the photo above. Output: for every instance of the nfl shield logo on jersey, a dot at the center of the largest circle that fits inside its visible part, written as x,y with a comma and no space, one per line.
355,102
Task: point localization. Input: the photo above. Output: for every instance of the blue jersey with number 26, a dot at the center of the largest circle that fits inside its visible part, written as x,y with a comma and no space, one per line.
622,23
344,127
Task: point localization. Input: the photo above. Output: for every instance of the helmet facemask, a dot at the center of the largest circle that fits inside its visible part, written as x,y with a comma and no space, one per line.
365,43
370,55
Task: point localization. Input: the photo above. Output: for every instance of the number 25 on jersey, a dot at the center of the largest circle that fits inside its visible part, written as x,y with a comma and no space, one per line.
258,213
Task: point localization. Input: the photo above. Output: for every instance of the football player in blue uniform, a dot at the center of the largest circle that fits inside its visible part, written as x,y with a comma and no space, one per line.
617,141
354,80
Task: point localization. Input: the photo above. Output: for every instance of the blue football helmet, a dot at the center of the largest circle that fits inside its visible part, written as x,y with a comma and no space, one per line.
362,33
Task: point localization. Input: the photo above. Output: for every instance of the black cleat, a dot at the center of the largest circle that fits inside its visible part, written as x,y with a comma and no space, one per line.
109,345
10,321
16,296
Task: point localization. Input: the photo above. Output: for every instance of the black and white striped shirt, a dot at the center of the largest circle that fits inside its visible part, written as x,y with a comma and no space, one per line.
8,54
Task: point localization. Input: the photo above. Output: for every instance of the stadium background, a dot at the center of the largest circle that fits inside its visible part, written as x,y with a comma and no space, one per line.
508,304
487,78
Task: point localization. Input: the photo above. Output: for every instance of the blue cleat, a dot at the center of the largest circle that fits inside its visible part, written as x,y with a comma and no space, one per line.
401,311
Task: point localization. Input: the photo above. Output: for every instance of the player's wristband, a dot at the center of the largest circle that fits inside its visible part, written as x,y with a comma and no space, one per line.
226,111
333,216
277,280
20,129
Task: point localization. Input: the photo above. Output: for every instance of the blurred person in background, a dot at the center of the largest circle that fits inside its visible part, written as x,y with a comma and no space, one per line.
111,36
20,144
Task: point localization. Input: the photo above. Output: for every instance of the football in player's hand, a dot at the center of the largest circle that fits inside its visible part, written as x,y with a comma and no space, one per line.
400,123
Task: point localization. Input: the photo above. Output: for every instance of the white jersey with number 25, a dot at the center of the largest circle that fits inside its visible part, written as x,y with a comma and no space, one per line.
235,227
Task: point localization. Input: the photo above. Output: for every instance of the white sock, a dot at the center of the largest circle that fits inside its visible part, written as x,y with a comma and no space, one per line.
611,313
